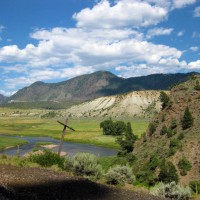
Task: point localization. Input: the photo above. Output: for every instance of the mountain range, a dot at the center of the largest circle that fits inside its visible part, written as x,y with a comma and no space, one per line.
91,86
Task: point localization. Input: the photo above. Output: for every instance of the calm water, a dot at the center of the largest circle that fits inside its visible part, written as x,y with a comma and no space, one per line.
68,147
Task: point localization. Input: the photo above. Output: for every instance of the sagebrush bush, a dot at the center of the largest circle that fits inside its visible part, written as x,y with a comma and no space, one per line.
195,186
47,159
120,175
86,164
172,191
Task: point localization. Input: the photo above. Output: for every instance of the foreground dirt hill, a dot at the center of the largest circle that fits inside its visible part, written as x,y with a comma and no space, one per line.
177,144
19,183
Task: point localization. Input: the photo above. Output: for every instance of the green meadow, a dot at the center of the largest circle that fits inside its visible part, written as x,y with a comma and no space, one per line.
10,142
86,130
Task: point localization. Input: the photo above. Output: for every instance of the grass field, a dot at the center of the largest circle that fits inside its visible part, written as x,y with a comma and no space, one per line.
87,130
9,142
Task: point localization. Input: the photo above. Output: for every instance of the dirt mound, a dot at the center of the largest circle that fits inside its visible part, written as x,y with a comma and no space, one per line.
20,183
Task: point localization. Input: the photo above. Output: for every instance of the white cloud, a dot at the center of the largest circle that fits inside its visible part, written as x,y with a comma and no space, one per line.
6,93
107,35
180,33
197,12
195,48
125,13
194,65
182,3
158,32
164,66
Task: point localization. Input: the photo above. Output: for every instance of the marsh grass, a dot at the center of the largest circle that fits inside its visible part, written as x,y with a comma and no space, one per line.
10,142
87,130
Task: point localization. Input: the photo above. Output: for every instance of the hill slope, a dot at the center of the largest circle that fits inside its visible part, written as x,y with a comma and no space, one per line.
169,140
2,98
91,86
140,103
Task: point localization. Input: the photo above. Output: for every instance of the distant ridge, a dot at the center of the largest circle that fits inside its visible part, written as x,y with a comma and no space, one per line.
91,86
2,98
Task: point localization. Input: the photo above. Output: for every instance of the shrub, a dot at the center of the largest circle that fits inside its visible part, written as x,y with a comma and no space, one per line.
168,172
173,124
181,136
152,128
184,166
197,86
174,145
171,191
120,175
187,120
51,114
195,186
47,159
154,162
163,130
165,100
146,177
163,117
87,165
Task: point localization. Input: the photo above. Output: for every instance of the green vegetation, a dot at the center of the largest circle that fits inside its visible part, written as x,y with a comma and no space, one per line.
195,186
146,178
127,140
152,128
197,86
184,166
120,175
187,120
85,164
165,100
87,130
113,128
51,114
10,142
168,172
47,159
172,191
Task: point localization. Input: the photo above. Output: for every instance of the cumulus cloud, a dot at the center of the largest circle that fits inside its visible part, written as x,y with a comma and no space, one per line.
194,65
182,3
197,12
125,13
158,32
106,35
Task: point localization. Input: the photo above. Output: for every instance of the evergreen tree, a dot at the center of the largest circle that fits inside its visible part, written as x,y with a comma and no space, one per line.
127,140
187,120
168,172
164,98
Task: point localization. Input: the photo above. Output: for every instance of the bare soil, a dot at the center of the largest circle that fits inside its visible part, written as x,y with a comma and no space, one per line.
21,183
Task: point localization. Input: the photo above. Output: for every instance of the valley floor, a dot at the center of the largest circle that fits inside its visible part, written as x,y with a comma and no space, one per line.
20,183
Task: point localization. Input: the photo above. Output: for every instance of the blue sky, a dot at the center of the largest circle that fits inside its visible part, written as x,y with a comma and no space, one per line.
54,40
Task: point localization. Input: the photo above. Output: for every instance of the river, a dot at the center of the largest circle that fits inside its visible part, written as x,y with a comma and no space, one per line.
68,147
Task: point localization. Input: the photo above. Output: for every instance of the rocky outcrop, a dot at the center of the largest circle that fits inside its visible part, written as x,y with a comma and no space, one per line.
139,103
